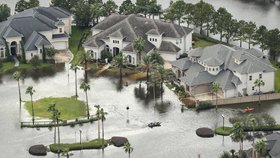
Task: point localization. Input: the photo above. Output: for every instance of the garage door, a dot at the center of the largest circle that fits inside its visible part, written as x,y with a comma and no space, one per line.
60,45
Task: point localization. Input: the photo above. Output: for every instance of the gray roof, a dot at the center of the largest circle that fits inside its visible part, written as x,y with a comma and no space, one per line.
195,52
25,23
168,47
227,80
153,32
182,64
132,26
273,142
213,62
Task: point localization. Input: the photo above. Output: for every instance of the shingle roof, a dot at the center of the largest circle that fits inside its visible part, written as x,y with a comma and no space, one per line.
153,32
213,62
131,27
182,64
117,34
10,32
36,40
273,141
168,47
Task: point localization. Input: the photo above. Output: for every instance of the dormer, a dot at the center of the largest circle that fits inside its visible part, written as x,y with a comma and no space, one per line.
12,35
212,65
60,27
155,37
116,37
239,57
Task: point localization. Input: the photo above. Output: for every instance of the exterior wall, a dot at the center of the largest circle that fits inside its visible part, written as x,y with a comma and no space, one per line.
68,24
133,57
266,77
155,40
111,44
47,34
212,70
30,54
188,42
168,56
176,41
56,31
230,93
2,52
200,89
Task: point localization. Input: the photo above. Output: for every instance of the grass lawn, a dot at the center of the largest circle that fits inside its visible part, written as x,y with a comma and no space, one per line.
94,144
69,107
277,77
226,132
202,43
74,40
8,68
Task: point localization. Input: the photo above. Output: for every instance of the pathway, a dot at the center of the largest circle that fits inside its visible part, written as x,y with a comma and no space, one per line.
137,76
104,68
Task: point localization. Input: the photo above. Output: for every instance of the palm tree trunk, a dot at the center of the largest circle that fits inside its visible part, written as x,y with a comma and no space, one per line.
102,135
76,87
54,136
32,110
86,76
19,94
58,136
240,43
249,43
259,95
128,154
221,36
147,75
216,100
98,127
87,105
121,73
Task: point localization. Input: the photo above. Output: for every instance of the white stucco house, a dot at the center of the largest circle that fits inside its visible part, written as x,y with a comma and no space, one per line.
116,34
235,69
33,28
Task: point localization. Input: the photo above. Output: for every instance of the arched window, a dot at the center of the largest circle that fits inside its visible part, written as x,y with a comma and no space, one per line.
129,58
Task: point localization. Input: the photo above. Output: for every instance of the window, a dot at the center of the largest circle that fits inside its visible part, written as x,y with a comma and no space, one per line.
213,69
253,88
41,51
2,53
60,30
31,54
217,69
260,76
250,78
150,39
156,40
116,41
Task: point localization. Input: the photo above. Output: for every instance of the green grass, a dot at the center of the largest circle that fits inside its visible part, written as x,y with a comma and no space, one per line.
277,77
94,144
226,132
69,107
201,43
74,40
8,68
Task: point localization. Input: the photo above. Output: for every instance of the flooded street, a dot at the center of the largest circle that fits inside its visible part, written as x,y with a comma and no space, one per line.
176,136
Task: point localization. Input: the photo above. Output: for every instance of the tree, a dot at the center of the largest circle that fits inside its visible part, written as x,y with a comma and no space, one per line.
98,117
241,33
250,29
35,61
128,148
188,18
44,54
161,75
258,83
127,7
120,61
17,76
156,57
147,65
56,118
138,45
110,7
238,135
66,4
203,14
84,58
94,1
225,154
153,8
260,36
272,41
103,118
33,3
97,10
261,148
254,124
85,87
23,57
142,6
31,91
5,12
176,11
214,88
50,52
21,5
220,19
74,67
230,30
83,14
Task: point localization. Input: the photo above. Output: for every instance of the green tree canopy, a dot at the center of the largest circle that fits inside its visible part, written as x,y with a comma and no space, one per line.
220,19
5,12
153,8
142,6
83,14
260,36
272,42
21,5
127,7
110,7
176,11
33,3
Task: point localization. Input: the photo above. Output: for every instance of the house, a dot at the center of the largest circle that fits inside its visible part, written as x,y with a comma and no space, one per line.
117,32
273,145
34,28
235,70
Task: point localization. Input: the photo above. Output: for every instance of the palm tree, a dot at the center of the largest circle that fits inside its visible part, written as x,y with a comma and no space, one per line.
103,118
56,118
138,45
254,124
17,76
98,117
119,61
75,68
128,148
225,154
156,57
31,91
84,58
214,88
85,87
238,135
259,83
147,65
261,148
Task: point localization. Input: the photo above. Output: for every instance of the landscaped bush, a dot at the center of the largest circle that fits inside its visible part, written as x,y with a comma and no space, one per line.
106,54
204,106
224,132
35,61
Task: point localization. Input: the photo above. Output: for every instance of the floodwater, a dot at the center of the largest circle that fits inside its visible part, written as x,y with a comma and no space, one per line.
176,137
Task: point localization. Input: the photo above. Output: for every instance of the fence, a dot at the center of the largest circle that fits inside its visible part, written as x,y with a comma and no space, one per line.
245,99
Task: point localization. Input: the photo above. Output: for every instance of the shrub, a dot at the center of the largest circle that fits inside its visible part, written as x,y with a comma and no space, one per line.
204,106
35,61
268,120
106,54
51,51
